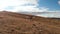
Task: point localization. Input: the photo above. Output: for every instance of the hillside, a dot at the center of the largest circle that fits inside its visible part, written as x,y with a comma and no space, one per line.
14,23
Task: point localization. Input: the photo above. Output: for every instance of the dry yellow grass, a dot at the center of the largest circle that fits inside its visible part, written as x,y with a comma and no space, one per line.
14,23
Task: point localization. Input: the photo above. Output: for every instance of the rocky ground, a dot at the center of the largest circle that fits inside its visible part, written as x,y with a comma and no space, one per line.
14,23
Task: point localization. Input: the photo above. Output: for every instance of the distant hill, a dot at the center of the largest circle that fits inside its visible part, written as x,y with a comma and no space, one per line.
44,14
16,23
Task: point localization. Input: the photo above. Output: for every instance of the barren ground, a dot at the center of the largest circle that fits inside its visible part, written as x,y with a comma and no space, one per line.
14,23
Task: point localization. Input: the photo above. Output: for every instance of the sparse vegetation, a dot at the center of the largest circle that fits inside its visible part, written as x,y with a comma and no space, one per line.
14,23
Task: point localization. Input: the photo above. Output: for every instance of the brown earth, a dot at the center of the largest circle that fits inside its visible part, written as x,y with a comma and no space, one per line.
14,23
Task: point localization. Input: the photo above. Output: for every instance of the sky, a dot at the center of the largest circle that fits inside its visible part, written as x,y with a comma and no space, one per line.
30,5
51,4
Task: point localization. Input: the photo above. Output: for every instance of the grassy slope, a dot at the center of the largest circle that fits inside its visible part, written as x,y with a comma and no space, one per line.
14,23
